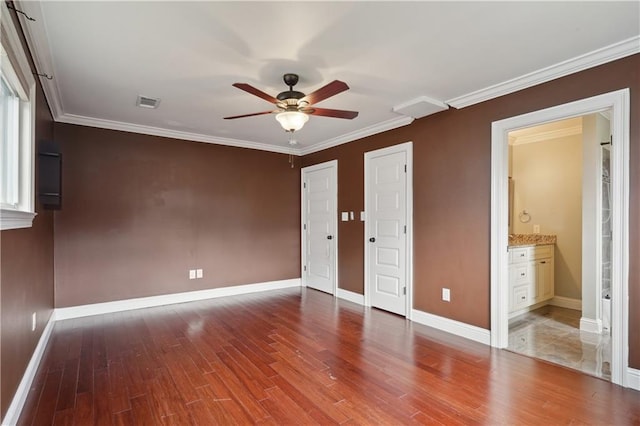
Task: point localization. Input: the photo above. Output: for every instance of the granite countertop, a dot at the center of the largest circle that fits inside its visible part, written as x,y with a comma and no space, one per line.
519,240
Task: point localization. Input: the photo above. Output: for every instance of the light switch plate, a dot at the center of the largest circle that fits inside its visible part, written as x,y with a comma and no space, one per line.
198,273
192,274
352,216
361,216
536,229
345,216
446,294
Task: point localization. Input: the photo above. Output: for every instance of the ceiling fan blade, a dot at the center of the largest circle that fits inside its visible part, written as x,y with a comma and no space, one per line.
257,92
336,113
248,115
325,92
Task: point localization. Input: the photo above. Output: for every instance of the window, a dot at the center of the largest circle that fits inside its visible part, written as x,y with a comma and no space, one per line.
17,131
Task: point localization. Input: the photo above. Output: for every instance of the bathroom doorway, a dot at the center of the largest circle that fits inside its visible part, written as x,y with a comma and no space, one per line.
618,103
555,191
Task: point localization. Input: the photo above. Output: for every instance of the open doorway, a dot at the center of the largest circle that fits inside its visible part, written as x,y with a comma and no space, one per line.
618,103
559,187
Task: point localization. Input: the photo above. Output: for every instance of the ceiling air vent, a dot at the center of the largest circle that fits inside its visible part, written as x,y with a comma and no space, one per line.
146,102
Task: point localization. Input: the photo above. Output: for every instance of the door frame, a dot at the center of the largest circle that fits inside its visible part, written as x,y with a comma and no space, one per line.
618,102
406,147
333,164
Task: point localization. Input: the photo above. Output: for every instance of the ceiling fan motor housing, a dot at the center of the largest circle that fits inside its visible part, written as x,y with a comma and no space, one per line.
290,80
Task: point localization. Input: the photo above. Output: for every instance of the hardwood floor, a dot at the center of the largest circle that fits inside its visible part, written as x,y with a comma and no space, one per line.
299,356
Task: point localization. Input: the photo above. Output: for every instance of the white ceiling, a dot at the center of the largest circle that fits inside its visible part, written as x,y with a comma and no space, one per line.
102,55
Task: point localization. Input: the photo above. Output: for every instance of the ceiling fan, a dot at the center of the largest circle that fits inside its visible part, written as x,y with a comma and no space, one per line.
293,107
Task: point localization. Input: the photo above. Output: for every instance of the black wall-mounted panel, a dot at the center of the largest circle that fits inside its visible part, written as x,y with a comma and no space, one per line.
50,175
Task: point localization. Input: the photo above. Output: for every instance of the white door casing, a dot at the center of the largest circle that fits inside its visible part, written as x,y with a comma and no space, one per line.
319,226
618,102
388,229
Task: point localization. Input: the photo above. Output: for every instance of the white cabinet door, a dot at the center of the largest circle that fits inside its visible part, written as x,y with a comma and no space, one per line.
544,278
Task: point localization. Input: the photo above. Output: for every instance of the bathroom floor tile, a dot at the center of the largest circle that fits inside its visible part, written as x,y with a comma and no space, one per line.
553,334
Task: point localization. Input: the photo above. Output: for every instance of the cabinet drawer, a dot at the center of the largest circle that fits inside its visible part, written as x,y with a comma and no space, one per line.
519,254
520,296
520,273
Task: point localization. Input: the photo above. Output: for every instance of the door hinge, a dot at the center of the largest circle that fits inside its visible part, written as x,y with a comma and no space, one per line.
405,168
305,267
404,291
304,184
405,229
304,226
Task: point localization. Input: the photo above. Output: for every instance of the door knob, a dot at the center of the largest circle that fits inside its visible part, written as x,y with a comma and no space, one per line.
372,239
329,237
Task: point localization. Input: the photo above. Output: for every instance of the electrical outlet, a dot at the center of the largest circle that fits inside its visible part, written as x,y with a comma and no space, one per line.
446,294
33,321
344,216
536,229
192,274
198,273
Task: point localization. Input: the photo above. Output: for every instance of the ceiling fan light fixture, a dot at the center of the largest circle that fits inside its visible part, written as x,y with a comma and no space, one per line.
292,121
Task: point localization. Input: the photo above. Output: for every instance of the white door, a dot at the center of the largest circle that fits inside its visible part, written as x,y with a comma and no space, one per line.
387,222
319,217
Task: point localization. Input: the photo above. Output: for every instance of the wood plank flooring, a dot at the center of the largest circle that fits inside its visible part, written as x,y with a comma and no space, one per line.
299,356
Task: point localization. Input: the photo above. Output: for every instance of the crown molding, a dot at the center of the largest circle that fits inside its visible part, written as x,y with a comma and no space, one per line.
36,35
592,59
545,136
175,134
394,123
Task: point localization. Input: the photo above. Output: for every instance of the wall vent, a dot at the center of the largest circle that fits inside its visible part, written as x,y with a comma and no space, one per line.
147,102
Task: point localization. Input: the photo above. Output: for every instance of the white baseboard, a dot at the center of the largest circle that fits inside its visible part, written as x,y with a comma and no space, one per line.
20,397
633,378
566,302
168,299
350,296
452,326
590,325
528,309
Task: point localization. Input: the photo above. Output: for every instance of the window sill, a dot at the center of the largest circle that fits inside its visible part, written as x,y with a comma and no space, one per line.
15,219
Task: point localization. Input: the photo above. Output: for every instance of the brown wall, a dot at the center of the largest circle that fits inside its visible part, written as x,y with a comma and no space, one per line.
140,211
26,280
452,166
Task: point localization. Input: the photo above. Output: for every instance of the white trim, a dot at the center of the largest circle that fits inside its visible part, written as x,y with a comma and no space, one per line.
21,394
457,328
528,309
332,164
407,147
15,219
566,302
22,213
199,137
618,101
374,129
590,325
633,378
175,134
592,59
169,299
350,296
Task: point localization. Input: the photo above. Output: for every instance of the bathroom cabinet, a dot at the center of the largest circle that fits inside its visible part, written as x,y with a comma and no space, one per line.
531,280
